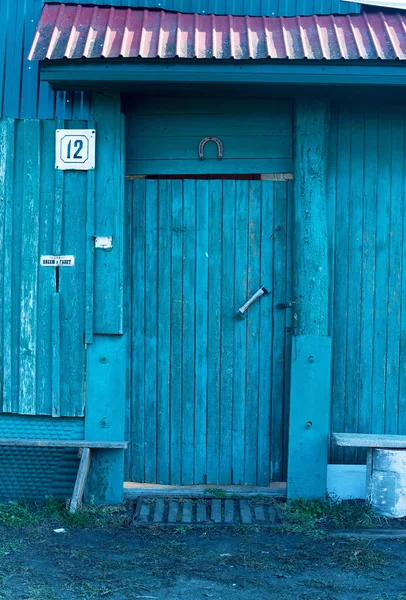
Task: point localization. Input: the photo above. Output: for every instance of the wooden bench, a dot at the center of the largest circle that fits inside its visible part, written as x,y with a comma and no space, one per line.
386,469
85,447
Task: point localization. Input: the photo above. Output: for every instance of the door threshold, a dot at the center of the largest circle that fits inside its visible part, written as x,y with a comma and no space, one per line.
134,490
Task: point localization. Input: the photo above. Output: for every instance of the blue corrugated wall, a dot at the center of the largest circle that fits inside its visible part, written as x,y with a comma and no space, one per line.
23,96
21,93
367,175
266,8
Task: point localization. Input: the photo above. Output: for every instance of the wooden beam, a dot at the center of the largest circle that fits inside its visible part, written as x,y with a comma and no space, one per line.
80,483
310,248
370,440
309,417
46,443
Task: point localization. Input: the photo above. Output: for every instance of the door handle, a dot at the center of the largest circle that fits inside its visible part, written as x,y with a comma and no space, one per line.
241,311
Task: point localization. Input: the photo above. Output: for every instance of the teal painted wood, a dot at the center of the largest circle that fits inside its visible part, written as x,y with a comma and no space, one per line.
213,309
163,136
176,326
280,8
42,212
188,334
21,93
310,383
164,331
138,200
227,331
106,386
7,155
200,248
366,204
309,421
56,354
151,329
72,288
29,266
202,290
109,219
101,73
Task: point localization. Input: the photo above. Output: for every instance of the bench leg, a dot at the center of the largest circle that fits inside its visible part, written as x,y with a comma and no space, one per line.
80,480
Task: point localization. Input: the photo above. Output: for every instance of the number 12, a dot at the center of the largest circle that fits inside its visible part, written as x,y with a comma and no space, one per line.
79,145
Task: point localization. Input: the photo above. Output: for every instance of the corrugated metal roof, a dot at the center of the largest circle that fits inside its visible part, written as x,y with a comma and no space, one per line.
253,8
93,32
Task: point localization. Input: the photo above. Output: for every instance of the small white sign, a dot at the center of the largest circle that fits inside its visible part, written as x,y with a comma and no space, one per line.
75,149
57,261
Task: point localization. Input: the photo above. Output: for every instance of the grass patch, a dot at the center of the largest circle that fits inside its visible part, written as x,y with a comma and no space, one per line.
54,512
316,517
360,557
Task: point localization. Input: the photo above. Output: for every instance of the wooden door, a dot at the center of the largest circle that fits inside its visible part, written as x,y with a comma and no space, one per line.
208,389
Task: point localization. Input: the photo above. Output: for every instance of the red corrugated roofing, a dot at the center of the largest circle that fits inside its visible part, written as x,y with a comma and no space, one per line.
92,32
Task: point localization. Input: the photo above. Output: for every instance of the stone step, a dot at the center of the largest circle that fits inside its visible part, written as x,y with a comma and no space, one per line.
206,512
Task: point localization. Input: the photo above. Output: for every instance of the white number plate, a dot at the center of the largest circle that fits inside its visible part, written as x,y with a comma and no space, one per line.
75,149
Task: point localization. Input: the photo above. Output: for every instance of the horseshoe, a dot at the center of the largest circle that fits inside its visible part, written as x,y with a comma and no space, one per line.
210,138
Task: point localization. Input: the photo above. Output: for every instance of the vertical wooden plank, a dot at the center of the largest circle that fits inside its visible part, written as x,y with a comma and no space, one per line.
72,283
281,294
188,355
397,183
7,147
382,264
252,347
138,331
201,303
355,221
341,277
109,284
240,331
228,311
402,369
127,325
368,271
311,367
289,324
105,415
164,330
90,216
266,333
176,334
46,276
214,332
18,196
29,269
56,355
151,329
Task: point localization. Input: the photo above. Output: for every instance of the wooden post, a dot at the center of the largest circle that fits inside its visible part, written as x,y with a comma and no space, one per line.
311,349
106,385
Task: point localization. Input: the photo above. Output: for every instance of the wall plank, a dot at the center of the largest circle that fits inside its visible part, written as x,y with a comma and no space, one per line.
42,211
366,195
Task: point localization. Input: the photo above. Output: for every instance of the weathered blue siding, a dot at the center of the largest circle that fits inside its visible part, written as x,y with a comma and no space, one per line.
21,93
266,8
163,135
208,389
42,316
367,175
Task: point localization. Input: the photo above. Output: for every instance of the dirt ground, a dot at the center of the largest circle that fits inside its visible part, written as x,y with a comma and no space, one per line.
166,563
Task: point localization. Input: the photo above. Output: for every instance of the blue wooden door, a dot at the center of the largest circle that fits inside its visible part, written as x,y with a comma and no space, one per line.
208,389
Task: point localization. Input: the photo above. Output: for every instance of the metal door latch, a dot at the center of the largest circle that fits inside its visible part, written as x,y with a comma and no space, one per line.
241,311
285,305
